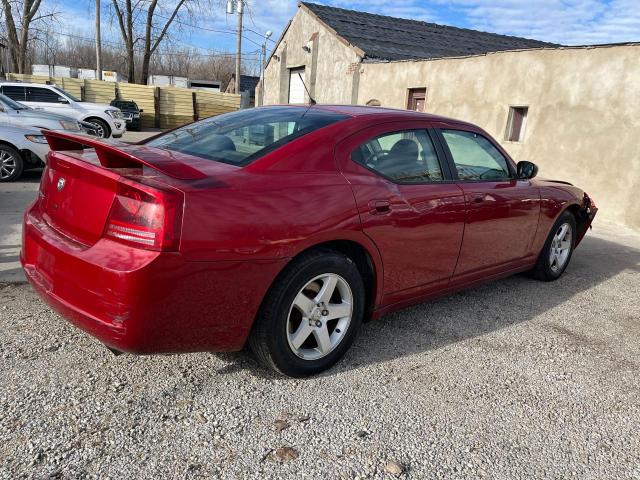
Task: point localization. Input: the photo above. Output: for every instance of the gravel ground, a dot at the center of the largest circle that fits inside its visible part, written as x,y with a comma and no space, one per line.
514,379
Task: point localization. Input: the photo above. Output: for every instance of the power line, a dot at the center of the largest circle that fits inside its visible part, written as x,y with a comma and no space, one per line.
254,55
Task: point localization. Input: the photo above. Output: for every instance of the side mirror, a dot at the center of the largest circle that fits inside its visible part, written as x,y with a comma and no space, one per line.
526,170
141,110
62,100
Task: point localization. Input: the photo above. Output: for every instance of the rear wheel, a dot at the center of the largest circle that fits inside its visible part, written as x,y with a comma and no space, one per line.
557,251
311,315
11,164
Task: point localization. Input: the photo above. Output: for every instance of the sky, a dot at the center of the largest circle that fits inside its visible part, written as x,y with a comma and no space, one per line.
569,22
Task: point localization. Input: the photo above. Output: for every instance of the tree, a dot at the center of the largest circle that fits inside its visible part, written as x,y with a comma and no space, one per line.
20,16
153,32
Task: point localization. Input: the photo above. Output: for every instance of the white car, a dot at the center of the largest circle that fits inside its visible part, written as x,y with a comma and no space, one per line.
107,120
20,148
14,113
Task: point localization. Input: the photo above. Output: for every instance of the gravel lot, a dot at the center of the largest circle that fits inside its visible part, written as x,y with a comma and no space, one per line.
514,379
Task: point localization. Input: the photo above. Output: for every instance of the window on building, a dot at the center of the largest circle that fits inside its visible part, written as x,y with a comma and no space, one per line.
516,123
476,158
417,99
405,157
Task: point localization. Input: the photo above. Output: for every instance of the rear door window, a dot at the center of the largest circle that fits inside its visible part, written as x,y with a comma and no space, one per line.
406,156
14,92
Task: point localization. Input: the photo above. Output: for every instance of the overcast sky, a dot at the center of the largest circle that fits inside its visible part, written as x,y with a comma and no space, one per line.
571,22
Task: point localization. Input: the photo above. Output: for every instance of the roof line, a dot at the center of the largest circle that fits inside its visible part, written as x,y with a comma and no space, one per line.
361,53
537,49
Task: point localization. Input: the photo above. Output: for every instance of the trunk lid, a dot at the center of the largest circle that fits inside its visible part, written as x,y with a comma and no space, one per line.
81,180
76,196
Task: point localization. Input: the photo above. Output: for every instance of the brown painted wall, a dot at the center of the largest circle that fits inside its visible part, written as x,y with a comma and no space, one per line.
583,123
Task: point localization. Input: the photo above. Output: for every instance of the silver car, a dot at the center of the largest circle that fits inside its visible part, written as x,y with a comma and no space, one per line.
16,113
20,148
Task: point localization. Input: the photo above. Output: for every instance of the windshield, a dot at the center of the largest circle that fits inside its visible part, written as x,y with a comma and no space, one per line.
64,92
12,104
241,137
125,104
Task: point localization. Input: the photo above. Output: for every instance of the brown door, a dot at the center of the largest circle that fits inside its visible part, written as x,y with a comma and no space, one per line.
417,98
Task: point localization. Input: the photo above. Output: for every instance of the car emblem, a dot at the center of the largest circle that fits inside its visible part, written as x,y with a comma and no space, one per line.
61,183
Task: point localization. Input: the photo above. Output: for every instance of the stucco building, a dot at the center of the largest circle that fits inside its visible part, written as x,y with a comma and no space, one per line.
571,110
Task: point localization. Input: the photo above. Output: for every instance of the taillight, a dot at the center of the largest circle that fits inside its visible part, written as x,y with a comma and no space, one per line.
145,217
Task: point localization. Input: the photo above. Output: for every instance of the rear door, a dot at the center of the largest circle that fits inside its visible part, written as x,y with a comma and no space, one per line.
503,211
408,204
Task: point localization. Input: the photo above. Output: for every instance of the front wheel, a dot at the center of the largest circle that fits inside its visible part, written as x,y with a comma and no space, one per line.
100,126
557,250
11,164
311,315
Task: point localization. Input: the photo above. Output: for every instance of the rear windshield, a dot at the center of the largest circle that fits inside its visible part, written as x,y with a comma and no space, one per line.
241,137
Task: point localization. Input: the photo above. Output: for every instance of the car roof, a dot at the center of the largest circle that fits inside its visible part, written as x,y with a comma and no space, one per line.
25,84
387,113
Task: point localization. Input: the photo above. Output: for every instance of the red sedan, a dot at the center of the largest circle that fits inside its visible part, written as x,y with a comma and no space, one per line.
285,227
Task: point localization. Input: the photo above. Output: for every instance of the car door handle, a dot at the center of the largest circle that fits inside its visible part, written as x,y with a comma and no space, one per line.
477,197
379,207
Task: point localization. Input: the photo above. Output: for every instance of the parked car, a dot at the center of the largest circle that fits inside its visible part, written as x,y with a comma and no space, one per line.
21,148
107,120
15,113
286,227
130,112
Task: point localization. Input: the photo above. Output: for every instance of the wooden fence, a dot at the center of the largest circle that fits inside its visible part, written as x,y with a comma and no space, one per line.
163,107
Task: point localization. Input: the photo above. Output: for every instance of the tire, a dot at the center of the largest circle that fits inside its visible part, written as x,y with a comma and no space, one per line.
102,128
11,164
300,344
557,250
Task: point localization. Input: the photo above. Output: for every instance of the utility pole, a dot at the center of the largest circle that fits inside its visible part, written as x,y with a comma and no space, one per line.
240,10
98,43
263,65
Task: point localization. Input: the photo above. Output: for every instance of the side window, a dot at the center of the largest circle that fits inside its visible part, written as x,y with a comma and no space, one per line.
13,92
35,94
475,157
406,156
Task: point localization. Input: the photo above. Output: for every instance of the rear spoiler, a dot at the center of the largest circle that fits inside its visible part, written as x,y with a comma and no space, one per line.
122,155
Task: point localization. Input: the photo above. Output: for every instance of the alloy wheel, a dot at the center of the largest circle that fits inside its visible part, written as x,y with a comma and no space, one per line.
99,129
560,248
8,165
319,316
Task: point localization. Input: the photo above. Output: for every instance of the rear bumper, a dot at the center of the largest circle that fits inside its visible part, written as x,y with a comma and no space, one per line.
144,302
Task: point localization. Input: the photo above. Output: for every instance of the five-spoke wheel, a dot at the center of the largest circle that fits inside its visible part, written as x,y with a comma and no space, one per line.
311,314
320,316
557,250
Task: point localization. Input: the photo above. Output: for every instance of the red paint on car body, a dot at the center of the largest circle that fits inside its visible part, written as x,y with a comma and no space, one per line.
239,226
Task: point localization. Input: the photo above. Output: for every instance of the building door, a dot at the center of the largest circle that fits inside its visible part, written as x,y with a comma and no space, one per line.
296,85
417,99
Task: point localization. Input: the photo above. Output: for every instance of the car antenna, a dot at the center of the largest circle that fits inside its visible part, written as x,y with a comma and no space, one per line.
311,99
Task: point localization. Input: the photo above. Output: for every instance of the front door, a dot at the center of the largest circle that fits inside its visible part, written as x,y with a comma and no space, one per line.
503,211
41,98
408,205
